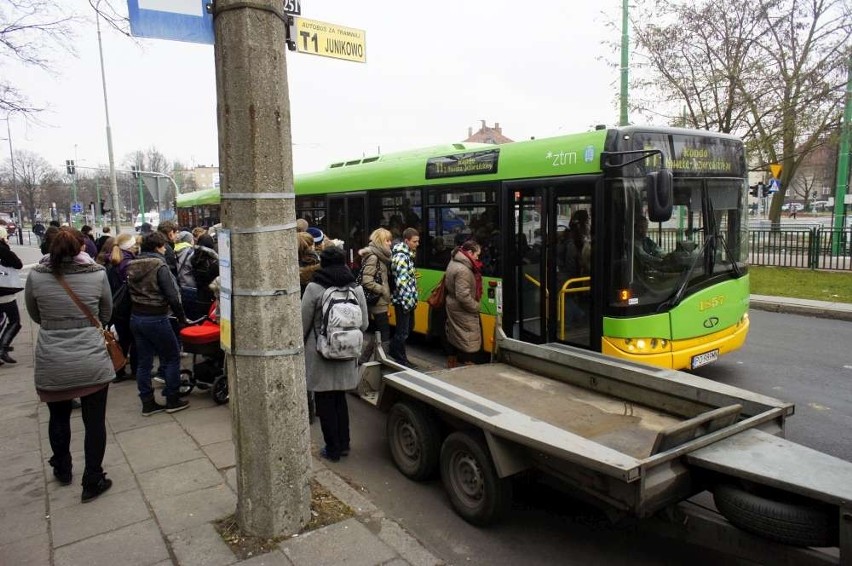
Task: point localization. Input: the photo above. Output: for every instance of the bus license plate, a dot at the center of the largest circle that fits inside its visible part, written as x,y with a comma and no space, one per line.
704,359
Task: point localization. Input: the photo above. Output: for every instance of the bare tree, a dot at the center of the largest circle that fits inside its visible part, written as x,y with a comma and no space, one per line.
31,33
32,173
770,71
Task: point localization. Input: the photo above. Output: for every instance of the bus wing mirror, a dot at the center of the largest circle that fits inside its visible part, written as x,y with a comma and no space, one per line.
658,187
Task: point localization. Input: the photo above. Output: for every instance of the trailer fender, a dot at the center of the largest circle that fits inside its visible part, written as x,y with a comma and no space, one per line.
778,516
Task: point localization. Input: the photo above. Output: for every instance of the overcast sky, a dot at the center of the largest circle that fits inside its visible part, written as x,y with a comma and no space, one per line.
433,70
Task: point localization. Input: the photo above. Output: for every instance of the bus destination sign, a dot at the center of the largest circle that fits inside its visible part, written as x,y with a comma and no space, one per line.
460,165
330,40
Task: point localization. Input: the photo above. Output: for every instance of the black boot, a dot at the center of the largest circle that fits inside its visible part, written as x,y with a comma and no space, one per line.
9,332
94,487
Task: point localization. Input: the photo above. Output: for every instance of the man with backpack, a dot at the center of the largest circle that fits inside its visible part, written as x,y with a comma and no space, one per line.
334,317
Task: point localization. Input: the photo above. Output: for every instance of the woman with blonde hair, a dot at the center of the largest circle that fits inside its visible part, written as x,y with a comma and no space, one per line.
375,280
123,252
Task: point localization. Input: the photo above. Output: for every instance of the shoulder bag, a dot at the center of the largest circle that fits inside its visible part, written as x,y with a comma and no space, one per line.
119,360
438,296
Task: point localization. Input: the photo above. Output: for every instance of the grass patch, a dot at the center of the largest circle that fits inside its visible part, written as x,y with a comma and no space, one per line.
326,509
801,283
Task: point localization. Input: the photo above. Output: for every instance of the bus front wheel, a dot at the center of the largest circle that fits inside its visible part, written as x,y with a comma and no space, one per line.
476,492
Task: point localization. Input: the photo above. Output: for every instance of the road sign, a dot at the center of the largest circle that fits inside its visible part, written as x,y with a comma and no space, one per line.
180,20
330,40
293,7
774,186
775,169
76,208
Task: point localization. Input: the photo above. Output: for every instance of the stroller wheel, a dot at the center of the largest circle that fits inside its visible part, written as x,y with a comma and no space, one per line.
219,390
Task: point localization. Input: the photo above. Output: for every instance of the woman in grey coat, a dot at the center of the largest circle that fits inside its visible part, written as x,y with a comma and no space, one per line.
330,379
71,359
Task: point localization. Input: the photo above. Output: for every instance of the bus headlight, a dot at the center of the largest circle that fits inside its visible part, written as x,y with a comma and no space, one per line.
643,345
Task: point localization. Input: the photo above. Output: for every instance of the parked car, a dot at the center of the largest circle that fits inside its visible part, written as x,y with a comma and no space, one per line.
8,223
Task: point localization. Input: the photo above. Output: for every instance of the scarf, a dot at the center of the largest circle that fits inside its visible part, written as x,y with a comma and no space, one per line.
379,252
334,276
476,267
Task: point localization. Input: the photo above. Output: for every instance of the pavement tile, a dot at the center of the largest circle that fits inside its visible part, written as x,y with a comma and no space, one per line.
180,512
107,513
24,521
406,545
21,464
348,542
17,425
274,558
180,478
201,545
25,442
22,490
15,410
157,446
140,544
231,478
62,496
221,454
208,425
32,551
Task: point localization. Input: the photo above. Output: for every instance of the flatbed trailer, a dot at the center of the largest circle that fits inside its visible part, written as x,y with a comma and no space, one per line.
635,440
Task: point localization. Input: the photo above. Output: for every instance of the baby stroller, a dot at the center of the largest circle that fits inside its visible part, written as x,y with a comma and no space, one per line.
201,339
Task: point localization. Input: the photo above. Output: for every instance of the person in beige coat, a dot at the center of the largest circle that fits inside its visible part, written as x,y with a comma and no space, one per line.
463,282
375,280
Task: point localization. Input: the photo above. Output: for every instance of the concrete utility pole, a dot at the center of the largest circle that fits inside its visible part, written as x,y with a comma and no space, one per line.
625,62
266,371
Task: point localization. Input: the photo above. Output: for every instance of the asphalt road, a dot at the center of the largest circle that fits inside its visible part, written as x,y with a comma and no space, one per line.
804,360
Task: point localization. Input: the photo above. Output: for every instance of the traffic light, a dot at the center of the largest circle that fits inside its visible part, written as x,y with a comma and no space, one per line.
753,190
135,171
764,189
69,166
105,210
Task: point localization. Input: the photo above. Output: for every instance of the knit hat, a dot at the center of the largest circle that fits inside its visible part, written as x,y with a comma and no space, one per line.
185,237
145,228
317,234
332,256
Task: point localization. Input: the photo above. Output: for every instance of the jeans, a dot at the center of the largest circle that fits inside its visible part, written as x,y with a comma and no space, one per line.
155,336
404,325
94,445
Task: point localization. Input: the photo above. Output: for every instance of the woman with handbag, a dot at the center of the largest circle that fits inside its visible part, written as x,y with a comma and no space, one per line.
67,294
375,280
8,298
463,284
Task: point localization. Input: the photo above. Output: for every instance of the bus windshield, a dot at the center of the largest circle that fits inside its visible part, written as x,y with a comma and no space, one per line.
656,264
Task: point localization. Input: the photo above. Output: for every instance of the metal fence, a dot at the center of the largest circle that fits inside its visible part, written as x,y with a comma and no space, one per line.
806,247
816,247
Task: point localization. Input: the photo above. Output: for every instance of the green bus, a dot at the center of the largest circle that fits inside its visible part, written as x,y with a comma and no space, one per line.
629,241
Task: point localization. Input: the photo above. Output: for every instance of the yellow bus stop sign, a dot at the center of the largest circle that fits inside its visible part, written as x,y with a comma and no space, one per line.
330,40
775,169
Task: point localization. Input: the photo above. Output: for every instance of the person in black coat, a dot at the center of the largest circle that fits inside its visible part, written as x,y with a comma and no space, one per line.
8,302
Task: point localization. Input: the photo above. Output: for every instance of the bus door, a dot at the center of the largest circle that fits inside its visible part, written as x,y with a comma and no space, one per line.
549,290
347,221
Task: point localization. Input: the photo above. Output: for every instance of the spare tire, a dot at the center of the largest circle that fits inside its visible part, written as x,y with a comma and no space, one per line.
778,516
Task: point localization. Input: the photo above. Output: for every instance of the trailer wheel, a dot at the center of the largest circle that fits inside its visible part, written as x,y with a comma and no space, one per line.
475,490
778,516
414,440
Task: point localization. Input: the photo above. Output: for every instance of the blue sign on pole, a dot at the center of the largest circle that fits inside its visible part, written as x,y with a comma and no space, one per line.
76,208
180,20
774,186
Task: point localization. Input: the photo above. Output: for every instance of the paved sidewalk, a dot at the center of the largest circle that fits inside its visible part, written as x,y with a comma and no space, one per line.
172,474
807,307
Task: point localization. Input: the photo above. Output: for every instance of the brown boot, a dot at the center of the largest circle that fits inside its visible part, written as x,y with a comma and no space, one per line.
452,362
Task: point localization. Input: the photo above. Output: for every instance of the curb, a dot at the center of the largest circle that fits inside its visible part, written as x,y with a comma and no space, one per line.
830,310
